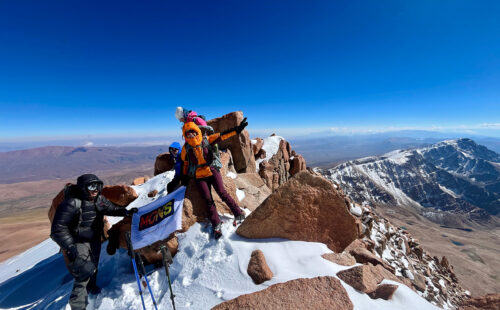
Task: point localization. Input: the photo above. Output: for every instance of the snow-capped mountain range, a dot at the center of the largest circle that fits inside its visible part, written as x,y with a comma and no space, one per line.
448,182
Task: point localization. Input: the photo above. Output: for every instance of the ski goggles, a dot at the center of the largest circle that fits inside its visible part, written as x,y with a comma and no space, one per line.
93,187
173,150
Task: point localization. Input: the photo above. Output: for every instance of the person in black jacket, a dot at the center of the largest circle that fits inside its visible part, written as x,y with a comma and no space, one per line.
77,228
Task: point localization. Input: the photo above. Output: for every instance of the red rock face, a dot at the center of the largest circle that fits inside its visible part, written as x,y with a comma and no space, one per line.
163,163
121,195
298,164
306,208
487,302
258,269
316,293
384,291
240,146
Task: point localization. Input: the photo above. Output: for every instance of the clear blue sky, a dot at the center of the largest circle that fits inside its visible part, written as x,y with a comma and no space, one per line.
116,67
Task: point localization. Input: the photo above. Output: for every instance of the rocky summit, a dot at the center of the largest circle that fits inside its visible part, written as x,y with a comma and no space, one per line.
305,243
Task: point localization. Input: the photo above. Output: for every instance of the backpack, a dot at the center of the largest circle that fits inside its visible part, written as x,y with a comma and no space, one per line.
216,162
66,194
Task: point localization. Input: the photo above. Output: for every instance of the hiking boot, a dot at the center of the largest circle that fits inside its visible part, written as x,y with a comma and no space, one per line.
95,290
218,231
239,219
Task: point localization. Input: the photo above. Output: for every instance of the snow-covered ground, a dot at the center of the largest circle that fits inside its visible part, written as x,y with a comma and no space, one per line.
205,272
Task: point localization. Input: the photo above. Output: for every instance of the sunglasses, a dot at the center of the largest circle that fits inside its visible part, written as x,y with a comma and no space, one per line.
93,187
173,150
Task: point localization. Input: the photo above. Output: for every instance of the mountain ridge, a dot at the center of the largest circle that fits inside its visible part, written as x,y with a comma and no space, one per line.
458,176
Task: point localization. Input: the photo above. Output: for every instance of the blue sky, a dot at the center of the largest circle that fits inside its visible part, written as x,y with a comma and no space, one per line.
92,68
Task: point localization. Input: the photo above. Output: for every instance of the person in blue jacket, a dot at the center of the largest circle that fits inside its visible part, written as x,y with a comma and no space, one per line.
175,154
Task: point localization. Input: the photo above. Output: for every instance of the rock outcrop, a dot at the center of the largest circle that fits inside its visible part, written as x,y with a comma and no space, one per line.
163,163
121,195
297,164
316,293
278,169
306,208
240,145
258,269
400,256
384,291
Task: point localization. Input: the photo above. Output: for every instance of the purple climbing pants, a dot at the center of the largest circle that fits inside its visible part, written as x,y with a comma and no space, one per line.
205,185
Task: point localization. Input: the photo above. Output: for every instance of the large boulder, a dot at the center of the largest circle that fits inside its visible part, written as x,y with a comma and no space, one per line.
315,293
121,195
258,269
163,163
384,291
365,278
240,145
254,188
306,208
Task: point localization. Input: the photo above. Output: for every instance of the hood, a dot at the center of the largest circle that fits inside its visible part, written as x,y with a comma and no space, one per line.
85,180
175,145
192,141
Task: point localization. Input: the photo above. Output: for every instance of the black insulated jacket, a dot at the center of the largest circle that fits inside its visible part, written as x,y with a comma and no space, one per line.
72,225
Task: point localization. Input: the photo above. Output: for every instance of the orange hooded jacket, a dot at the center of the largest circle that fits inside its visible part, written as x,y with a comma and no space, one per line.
202,167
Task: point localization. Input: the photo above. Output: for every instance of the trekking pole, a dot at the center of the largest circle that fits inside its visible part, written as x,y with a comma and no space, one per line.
167,260
143,271
131,253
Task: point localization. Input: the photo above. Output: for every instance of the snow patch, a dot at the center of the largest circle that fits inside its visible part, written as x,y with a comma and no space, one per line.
271,146
240,194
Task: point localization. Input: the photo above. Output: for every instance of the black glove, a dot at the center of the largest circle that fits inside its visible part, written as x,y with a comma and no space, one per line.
185,180
131,211
241,126
72,253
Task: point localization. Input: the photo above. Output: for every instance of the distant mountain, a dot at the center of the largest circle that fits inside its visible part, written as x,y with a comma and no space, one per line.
325,151
60,162
446,180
